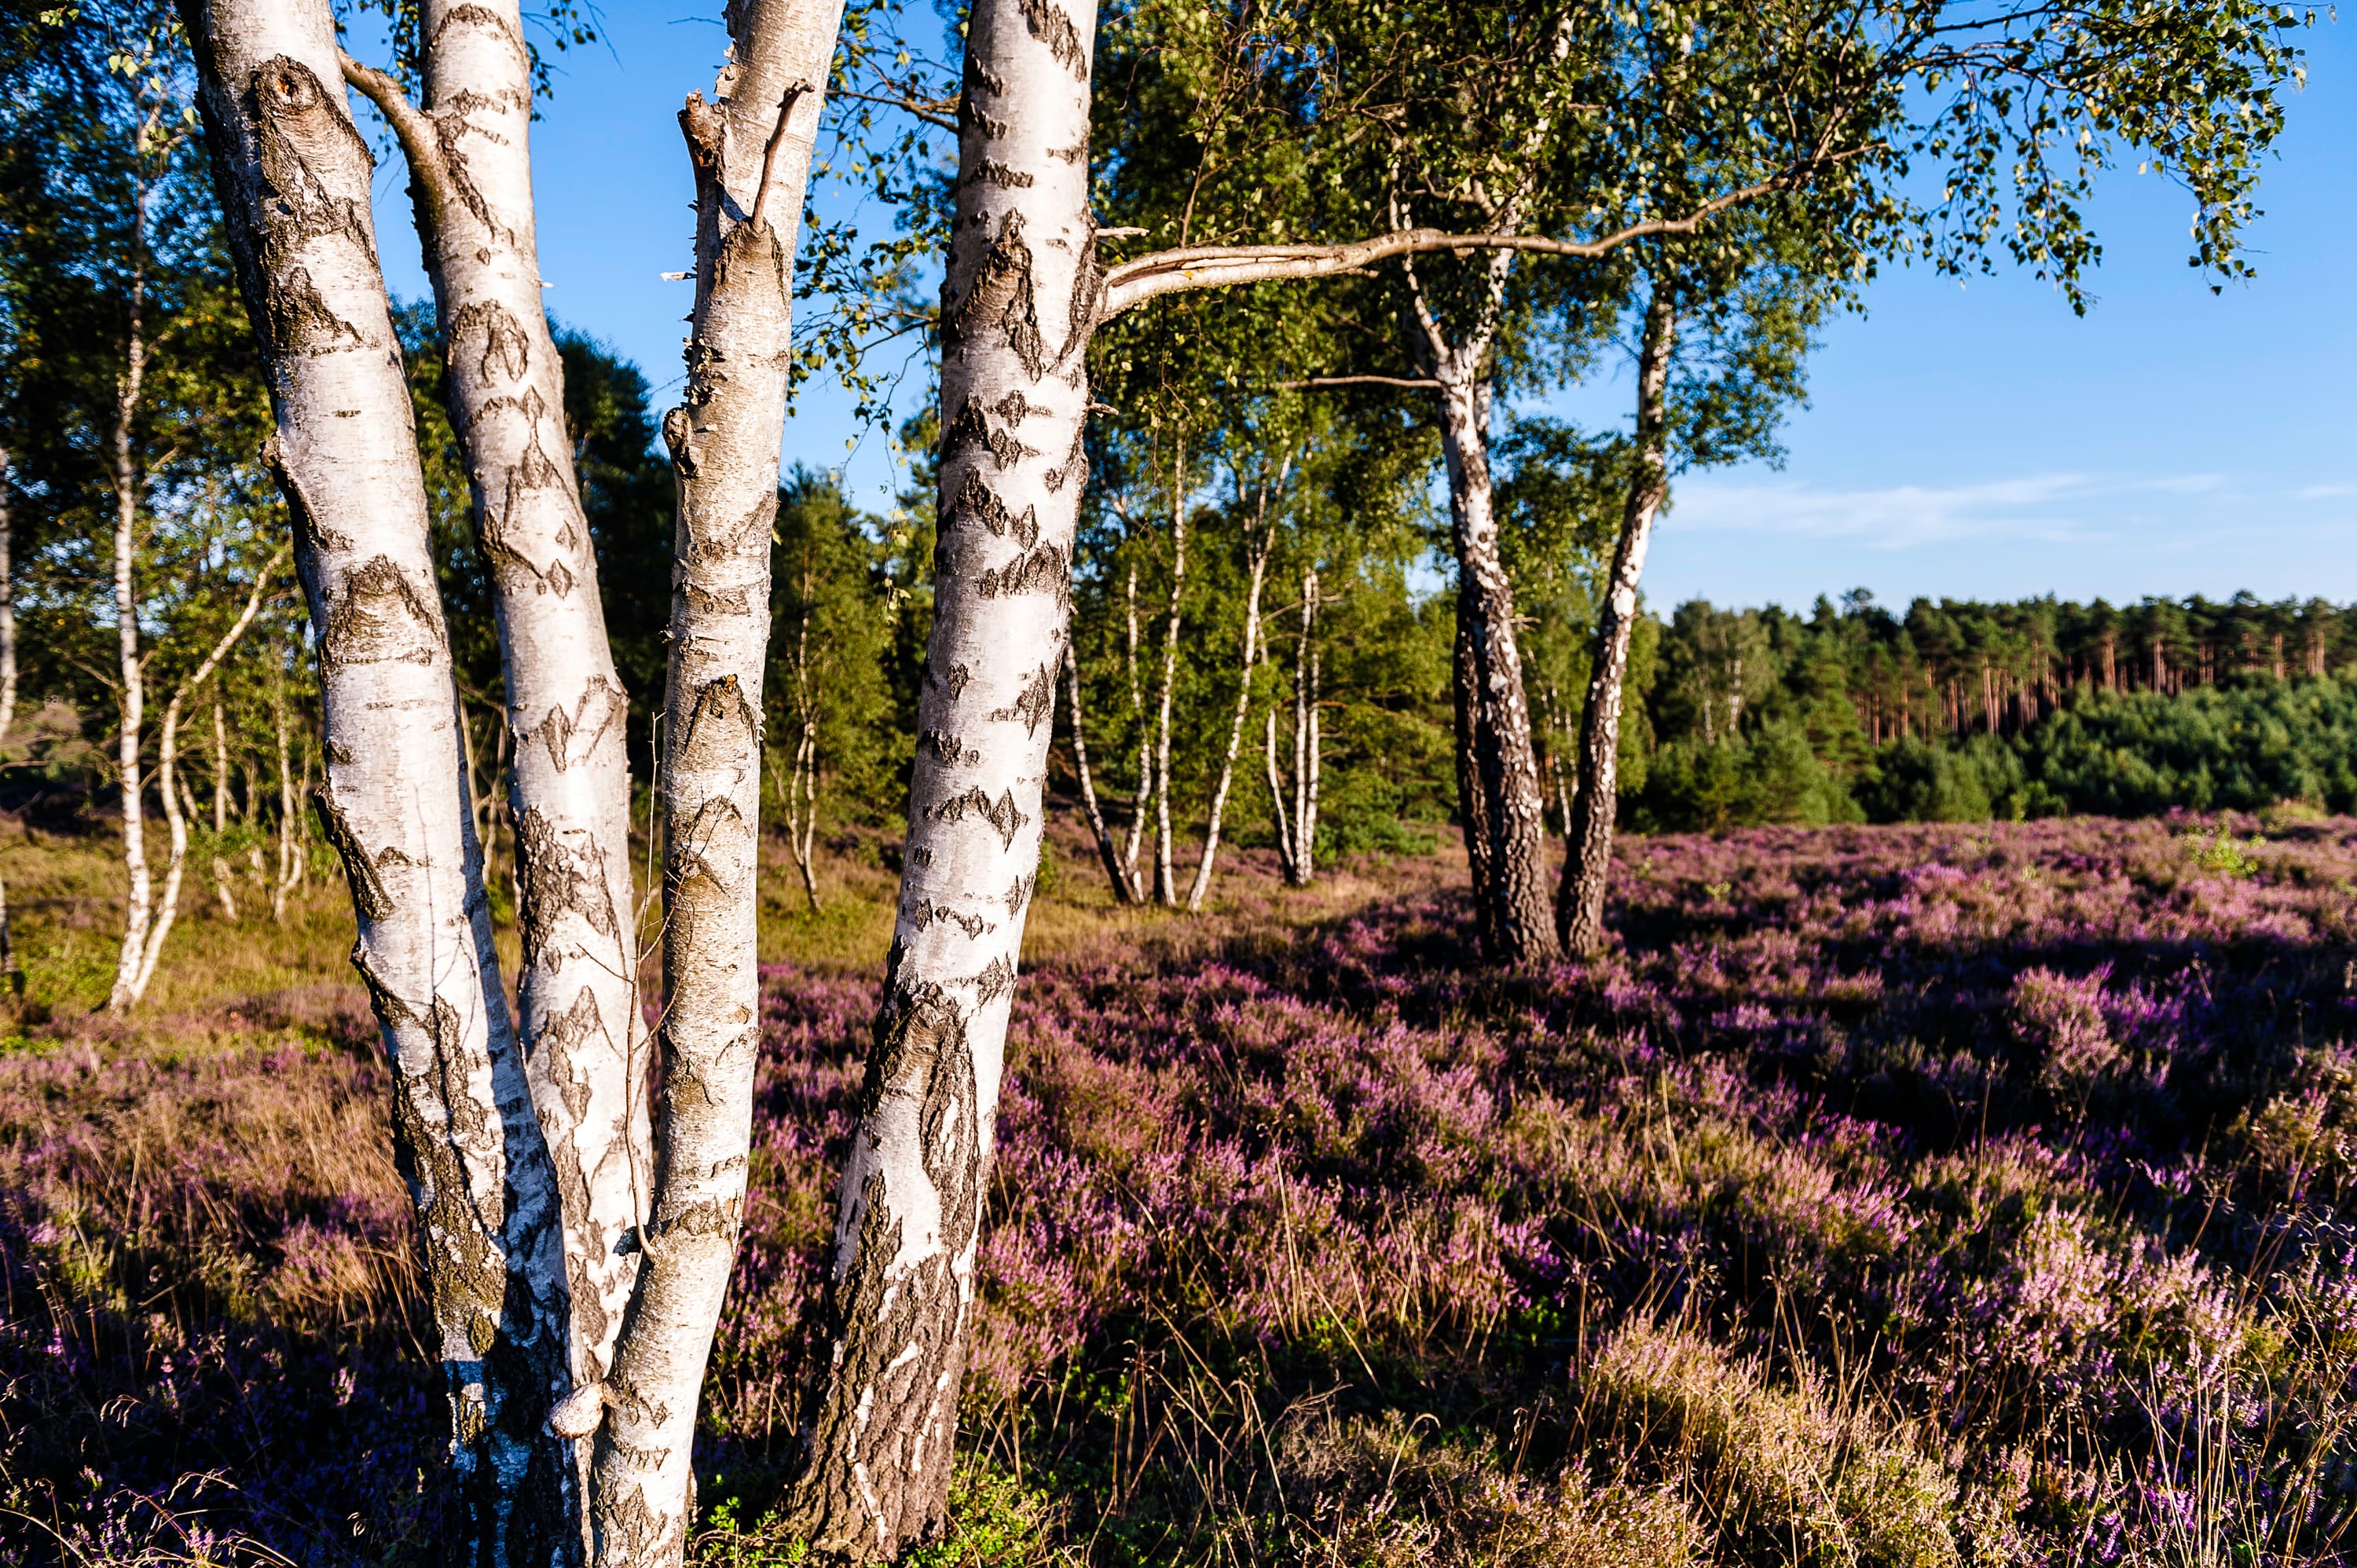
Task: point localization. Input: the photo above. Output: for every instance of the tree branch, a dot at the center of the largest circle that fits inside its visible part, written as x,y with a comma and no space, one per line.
420,137
1225,266
1316,384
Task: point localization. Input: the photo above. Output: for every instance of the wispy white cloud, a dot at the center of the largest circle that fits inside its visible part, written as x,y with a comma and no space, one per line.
2061,508
2325,493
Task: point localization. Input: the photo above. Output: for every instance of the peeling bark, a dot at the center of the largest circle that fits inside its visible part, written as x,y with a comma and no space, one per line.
1020,300
751,146
468,151
292,174
1595,807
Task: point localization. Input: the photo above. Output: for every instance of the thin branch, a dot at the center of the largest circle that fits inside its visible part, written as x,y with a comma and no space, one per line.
941,114
769,153
420,137
1314,383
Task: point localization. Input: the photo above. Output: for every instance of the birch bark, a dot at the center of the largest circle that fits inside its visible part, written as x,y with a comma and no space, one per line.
7,605
1133,891
1107,851
469,150
1019,301
1166,875
1497,772
168,762
130,669
1595,807
751,146
1256,576
293,174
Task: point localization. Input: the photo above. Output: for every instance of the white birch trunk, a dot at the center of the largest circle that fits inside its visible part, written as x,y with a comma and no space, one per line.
294,176
1123,890
1277,803
1134,892
167,761
283,878
798,789
1303,862
8,603
468,151
220,764
1166,875
1595,807
129,667
1020,300
751,150
1258,575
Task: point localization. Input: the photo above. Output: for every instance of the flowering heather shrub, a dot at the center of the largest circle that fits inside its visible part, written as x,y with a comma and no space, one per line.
1891,1196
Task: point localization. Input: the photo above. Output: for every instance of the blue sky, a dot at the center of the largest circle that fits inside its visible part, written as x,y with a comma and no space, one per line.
1973,441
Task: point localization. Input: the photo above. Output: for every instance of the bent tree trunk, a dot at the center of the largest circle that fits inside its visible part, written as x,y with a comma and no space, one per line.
1498,781
168,777
1595,807
470,165
1020,303
292,174
751,151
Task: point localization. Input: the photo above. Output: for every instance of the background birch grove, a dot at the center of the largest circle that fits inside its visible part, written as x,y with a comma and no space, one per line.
1938,1159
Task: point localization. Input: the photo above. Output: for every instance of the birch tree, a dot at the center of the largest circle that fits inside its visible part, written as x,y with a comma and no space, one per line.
468,144
292,174
1019,304
751,146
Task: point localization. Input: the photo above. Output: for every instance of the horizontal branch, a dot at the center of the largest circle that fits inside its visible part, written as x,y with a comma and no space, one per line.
1227,266
1318,383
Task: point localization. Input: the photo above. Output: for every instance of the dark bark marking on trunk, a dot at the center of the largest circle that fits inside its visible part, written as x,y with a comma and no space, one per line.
1035,703
924,912
554,878
977,500
369,894
381,615
721,724
1058,478
954,684
947,749
560,730
1053,28
1043,571
505,346
993,172
1003,814
972,428
1020,893
299,134
1000,299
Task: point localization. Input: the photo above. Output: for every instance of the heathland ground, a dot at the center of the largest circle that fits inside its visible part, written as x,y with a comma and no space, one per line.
1911,1194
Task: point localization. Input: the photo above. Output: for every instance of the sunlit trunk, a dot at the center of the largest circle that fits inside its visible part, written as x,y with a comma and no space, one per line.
1256,576
1019,301
1595,807
293,174
1165,874
129,668
750,147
